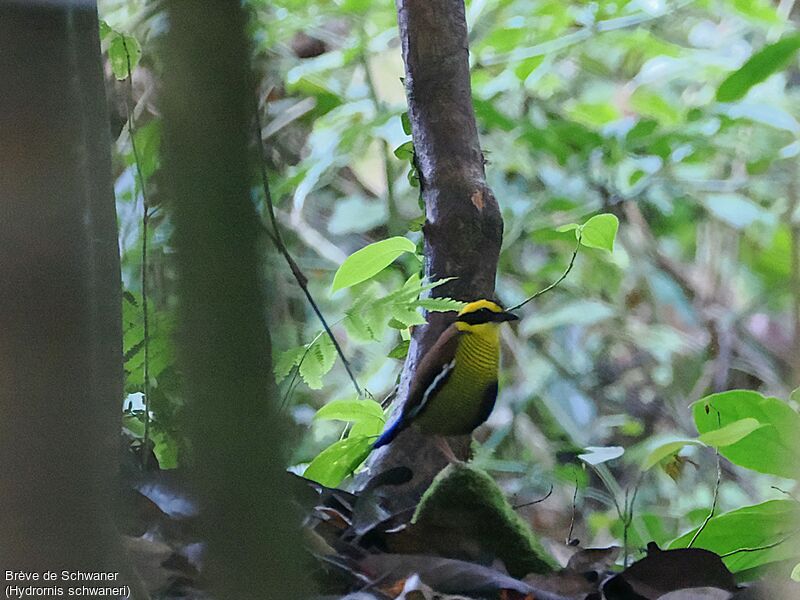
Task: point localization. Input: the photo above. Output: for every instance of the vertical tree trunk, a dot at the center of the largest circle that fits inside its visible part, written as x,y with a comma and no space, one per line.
60,344
236,431
464,228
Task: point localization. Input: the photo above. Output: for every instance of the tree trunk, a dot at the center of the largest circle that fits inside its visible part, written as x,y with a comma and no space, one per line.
464,228
60,345
237,434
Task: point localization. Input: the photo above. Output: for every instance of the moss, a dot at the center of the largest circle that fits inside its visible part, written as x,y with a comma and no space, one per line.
468,500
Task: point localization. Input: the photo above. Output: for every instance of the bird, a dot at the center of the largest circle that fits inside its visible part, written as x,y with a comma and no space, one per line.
455,385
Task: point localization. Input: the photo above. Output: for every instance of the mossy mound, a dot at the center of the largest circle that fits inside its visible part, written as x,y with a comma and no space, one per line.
467,499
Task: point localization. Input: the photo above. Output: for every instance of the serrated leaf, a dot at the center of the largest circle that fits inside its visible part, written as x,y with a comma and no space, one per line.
122,50
338,460
370,260
759,67
400,351
365,320
595,455
318,361
665,450
407,315
599,232
731,433
286,361
440,304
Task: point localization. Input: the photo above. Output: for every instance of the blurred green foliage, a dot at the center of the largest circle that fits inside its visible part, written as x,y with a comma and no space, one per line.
678,117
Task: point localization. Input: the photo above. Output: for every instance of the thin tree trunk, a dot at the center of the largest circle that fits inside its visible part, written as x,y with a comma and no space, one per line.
464,227
60,343
237,434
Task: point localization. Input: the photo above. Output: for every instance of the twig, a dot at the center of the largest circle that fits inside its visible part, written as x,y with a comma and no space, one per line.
557,281
790,494
716,491
628,520
145,228
277,239
574,510
542,499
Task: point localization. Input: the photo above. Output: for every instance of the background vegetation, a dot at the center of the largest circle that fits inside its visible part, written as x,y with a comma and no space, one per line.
648,110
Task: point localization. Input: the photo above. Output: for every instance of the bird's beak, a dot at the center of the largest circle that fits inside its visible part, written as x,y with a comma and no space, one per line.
507,316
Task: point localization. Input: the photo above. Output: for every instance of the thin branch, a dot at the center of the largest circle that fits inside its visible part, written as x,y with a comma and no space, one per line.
531,503
628,520
277,239
557,281
782,491
145,228
574,510
716,491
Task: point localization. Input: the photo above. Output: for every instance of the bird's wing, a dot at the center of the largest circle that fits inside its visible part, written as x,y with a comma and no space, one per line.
432,372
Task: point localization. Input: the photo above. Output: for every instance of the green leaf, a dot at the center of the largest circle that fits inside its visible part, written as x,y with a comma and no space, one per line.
407,315
595,455
318,361
406,123
395,324
371,429
122,50
354,411
796,573
772,448
750,527
166,450
338,460
567,227
400,351
405,151
366,318
370,260
731,433
761,65
439,304
286,361
105,30
599,232
148,145
663,451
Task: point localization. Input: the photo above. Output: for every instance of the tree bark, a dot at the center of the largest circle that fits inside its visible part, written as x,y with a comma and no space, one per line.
60,345
237,433
464,228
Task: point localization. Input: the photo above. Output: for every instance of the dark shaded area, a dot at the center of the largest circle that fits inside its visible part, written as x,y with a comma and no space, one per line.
464,228
60,348
237,435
